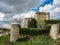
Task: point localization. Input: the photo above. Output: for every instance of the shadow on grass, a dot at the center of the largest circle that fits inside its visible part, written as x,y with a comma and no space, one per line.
23,39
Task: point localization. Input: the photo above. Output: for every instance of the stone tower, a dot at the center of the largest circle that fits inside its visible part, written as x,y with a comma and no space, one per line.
41,15
44,15
14,32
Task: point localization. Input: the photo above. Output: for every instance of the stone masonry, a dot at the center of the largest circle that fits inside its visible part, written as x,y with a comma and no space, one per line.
54,31
14,33
37,16
26,22
41,15
44,15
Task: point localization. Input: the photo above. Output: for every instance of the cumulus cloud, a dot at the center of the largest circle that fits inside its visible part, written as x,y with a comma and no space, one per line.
12,8
18,6
53,9
1,16
5,25
24,15
5,8
56,2
46,8
57,10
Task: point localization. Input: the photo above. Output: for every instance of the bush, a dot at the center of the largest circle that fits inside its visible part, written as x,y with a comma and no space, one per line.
47,26
32,23
35,31
52,21
5,29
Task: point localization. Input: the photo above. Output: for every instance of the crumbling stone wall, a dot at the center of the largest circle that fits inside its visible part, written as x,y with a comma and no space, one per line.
54,31
41,15
14,32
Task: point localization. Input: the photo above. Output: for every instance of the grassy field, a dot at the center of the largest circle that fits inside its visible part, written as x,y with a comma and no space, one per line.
35,40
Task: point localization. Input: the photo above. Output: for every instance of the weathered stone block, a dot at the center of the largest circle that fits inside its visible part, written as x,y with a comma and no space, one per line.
14,32
54,31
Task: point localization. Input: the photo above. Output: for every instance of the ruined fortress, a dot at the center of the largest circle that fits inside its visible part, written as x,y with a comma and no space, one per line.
44,15
37,16
14,32
26,22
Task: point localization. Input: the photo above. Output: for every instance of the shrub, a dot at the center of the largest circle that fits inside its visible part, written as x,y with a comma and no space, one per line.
5,29
32,23
52,21
47,26
35,31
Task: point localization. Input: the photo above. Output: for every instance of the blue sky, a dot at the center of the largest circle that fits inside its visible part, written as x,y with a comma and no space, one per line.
52,6
43,4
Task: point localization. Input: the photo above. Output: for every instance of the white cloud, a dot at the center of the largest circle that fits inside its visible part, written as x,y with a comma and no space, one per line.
1,16
56,2
5,25
24,15
46,8
16,7
57,9
16,16
53,9
28,14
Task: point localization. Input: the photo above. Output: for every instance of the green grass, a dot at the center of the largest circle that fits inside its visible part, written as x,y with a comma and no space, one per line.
35,40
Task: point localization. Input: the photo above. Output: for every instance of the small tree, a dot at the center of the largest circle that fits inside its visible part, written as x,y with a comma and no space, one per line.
18,20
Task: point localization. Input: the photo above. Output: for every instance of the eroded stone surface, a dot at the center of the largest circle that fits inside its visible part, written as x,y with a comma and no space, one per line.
54,31
14,33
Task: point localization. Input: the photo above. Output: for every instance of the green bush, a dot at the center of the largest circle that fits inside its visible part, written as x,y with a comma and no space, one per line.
47,26
5,29
32,23
52,21
35,31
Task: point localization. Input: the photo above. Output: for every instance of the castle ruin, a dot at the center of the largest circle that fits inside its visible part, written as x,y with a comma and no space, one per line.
26,22
38,16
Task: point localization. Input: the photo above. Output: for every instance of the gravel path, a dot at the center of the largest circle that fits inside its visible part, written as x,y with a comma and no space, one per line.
3,34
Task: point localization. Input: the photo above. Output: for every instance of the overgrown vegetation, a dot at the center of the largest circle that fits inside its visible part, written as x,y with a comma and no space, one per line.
5,29
35,40
32,23
35,31
41,23
52,21
39,36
